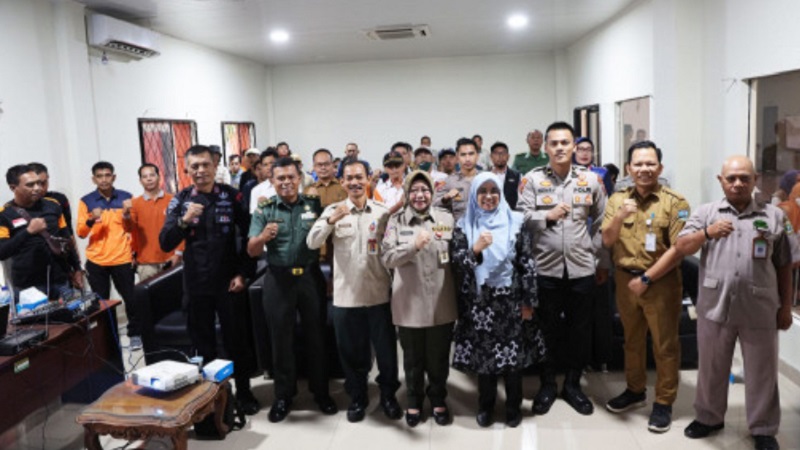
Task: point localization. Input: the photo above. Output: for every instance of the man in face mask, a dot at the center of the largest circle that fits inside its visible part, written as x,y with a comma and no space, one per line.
423,159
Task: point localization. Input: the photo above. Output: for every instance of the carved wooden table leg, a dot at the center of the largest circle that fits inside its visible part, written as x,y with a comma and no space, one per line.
180,440
90,439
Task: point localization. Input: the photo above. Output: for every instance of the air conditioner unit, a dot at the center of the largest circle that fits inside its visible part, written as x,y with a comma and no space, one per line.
392,32
110,34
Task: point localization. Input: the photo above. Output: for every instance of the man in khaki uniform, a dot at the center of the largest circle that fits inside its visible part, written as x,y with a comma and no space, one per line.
416,246
745,294
641,227
559,201
361,285
327,187
452,195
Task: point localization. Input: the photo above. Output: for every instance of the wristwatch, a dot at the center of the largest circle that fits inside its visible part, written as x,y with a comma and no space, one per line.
182,224
646,280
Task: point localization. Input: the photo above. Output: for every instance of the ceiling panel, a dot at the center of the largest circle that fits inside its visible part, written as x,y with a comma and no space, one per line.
333,30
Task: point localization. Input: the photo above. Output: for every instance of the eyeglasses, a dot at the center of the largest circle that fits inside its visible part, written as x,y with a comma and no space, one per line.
423,191
323,164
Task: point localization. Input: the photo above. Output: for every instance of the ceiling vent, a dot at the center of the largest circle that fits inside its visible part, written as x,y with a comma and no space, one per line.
108,33
393,32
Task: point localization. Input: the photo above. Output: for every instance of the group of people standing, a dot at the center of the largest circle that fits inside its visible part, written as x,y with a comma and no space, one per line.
500,266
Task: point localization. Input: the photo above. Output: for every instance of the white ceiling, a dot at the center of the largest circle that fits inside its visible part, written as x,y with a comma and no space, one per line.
328,31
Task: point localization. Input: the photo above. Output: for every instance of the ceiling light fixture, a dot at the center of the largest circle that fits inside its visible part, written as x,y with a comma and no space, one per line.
279,36
517,21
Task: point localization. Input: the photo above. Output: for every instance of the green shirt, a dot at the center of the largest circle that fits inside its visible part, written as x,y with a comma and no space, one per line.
525,162
289,248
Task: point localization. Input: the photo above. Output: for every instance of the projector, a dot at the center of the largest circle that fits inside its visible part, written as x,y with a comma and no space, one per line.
166,376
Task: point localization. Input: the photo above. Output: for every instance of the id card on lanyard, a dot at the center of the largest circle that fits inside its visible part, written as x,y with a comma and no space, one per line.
760,242
650,237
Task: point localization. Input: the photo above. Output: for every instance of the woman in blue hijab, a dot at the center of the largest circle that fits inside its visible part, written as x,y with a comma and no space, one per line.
495,336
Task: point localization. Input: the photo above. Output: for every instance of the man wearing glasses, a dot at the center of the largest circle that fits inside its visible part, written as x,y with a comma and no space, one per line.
327,186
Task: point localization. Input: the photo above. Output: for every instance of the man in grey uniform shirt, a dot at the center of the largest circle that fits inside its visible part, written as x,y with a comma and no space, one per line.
453,194
745,293
563,205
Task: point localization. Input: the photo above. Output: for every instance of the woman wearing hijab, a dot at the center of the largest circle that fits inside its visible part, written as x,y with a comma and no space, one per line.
785,185
497,295
416,245
792,209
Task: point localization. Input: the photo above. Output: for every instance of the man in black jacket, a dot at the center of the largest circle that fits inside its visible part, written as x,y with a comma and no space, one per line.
31,226
507,175
213,220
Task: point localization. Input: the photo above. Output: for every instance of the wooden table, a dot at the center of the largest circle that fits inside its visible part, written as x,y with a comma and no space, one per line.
77,361
131,412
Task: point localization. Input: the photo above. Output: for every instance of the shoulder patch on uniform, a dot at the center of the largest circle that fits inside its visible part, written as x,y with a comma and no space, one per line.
172,204
787,226
683,214
52,200
2,208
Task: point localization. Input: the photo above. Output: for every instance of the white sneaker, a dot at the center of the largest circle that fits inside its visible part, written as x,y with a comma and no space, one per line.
136,343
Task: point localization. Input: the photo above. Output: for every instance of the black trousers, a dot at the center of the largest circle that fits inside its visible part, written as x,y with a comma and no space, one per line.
566,311
100,278
487,390
202,312
356,329
426,350
286,296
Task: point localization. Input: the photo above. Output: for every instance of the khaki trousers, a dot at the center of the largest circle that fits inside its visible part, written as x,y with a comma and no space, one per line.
658,310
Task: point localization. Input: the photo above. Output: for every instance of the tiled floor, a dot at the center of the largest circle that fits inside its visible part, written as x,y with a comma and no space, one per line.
562,428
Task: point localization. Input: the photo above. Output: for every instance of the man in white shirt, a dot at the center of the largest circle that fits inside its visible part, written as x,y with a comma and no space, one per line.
390,191
222,175
264,189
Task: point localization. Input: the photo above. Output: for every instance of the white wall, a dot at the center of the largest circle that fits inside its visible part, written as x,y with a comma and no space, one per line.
186,82
612,64
378,103
64,108
38,93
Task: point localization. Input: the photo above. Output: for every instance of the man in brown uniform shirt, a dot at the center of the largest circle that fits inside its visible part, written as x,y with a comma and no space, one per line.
641,227
745,294
327,187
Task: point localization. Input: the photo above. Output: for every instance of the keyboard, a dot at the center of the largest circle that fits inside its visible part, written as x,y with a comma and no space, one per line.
69,312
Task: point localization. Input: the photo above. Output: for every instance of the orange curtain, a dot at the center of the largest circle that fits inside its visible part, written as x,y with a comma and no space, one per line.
244,137
182,140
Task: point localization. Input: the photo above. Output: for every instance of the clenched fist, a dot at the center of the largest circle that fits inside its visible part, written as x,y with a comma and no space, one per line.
37,225
483,242
423,239
193,211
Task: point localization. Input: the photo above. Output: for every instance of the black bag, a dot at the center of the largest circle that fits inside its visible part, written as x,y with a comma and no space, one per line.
233,417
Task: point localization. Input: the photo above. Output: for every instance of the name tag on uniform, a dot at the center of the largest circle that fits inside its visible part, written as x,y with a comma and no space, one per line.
444,257
760,247
308,215
650,242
